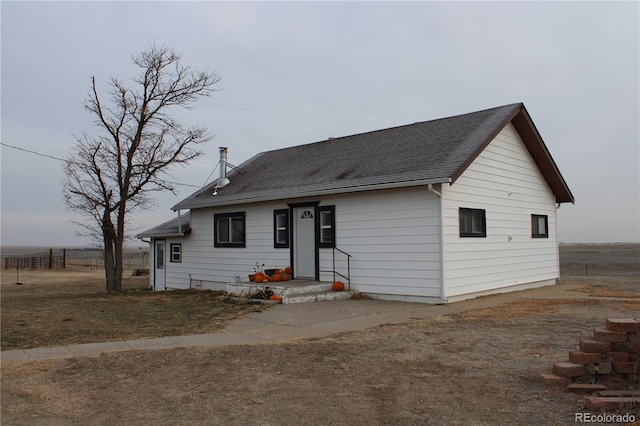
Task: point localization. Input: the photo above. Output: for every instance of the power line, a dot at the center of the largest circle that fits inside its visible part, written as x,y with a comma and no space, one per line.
32,152
63,160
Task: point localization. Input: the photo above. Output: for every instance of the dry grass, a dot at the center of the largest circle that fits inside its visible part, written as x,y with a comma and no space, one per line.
416,372
61,307
608,286
528,309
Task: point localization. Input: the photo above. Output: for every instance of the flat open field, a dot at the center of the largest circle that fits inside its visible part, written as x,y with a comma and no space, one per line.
479,367
56,307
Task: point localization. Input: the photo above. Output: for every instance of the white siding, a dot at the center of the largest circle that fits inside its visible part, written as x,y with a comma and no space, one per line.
214,267
505,181
392,236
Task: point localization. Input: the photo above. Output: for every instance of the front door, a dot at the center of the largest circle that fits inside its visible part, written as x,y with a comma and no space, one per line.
159,271
304,242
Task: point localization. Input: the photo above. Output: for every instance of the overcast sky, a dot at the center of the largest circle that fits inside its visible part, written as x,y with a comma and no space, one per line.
294,73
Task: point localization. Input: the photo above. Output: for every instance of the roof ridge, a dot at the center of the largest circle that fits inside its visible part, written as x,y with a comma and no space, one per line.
520,104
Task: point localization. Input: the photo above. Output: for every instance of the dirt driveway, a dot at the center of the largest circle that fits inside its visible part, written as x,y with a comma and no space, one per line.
479,367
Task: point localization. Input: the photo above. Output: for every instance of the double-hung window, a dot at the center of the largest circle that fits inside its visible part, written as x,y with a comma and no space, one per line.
229,230
327,225
539,226
281,228
473,222
176,253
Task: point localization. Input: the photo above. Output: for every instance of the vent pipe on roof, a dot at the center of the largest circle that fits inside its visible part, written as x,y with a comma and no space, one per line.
223,180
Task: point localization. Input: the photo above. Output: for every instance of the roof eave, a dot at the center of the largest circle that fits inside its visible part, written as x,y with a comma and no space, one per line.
316,193
164,235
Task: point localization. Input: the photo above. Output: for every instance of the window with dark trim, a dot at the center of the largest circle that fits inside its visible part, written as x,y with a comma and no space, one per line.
176,253
281,228
327,224
473,222
539,226
229,230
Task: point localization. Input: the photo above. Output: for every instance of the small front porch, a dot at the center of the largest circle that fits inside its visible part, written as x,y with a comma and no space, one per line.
294,291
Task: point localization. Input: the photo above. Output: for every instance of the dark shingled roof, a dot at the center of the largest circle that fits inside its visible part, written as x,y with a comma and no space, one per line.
170,228
435,151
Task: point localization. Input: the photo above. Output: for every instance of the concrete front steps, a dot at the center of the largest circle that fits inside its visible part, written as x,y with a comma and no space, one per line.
294,291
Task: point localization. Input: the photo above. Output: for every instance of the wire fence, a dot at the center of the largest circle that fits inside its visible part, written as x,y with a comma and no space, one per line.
37,262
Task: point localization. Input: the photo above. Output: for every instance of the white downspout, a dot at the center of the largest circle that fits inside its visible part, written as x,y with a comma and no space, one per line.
443,298
179,223
558,205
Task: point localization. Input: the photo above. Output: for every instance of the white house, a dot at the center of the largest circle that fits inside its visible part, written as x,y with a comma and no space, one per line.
435,211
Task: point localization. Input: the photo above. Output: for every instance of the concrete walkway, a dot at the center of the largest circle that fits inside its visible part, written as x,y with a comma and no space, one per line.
288,322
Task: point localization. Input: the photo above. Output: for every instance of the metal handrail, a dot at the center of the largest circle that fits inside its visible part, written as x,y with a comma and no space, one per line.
348,276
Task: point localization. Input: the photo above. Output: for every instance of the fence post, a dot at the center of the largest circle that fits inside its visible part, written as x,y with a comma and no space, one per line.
64,258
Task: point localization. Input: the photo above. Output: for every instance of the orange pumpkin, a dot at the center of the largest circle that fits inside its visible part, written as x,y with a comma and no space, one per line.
258,277
277,277
284,277
276,298
288,270
338,286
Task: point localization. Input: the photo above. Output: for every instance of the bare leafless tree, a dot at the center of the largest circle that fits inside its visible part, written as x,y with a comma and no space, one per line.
113,173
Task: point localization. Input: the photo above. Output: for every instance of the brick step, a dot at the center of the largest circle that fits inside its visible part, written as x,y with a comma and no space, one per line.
553,379
624,325
579,357
586,388
608,403
568,369
593,346
601,334
629,393
626,367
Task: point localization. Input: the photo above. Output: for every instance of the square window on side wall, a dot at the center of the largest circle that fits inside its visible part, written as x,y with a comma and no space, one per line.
539,226
473,222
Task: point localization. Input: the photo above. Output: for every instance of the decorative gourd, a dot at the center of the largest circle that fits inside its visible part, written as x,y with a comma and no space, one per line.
265,280
258,277
277,277
276,298
288,270
338,286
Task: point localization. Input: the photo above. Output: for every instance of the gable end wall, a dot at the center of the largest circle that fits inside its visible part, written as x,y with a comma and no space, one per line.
505,181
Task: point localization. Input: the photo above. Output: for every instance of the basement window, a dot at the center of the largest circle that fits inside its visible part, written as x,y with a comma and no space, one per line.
539,226
281,228
176,253
228,230
473,222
